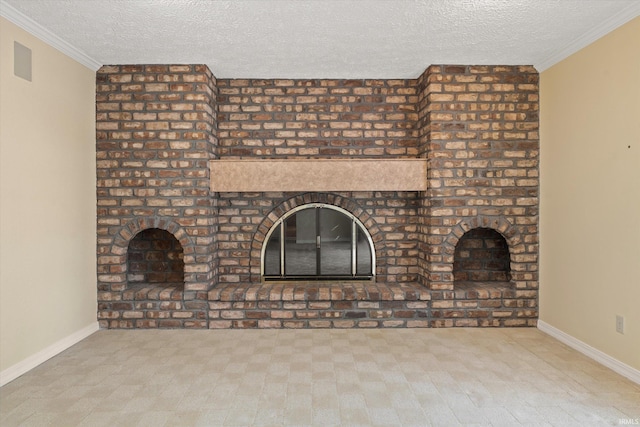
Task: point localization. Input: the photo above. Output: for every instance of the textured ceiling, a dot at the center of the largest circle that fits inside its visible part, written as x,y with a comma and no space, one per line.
325,38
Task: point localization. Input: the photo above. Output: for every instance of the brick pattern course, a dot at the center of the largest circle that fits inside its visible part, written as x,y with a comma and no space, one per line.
317,118
312,305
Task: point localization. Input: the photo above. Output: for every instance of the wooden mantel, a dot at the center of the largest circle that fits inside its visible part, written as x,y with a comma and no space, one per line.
249,175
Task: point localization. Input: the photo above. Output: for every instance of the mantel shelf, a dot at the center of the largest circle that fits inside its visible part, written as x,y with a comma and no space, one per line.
260,175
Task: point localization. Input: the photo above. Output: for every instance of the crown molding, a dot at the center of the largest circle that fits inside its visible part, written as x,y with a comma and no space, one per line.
625,15
21,20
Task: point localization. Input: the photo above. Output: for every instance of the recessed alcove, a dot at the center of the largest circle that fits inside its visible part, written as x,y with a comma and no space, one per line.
482,261
155,259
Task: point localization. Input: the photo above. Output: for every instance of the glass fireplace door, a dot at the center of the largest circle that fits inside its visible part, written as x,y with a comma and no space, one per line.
317,242
300,241
336,243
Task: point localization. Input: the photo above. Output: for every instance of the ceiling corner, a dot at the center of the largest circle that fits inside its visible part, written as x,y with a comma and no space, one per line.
595,33
18,18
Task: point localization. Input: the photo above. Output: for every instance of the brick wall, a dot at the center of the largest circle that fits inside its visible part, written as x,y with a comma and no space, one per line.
157,125
319,305
317,118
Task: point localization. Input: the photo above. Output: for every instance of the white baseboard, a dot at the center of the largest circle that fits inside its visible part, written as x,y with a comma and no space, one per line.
595,354
20,368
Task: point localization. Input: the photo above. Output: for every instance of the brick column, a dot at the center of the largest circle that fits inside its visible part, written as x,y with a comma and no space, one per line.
156,130
479,131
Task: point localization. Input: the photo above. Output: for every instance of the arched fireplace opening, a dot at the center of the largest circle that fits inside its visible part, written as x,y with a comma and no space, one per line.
481,256
318,241
155,258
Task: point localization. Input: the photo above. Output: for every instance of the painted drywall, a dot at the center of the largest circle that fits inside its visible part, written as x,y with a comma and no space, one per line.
590,194
47,199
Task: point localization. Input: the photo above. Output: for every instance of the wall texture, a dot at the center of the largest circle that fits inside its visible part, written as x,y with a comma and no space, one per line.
317,118
591,194
47,193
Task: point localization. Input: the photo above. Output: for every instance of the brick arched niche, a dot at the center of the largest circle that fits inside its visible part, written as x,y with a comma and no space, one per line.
146,303
481,256
155,258
302,199
117,263
494,230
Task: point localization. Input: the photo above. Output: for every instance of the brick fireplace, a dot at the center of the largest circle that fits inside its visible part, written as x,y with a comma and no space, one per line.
173,253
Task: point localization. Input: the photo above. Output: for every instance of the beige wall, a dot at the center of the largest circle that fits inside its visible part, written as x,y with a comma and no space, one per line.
47,199
590,194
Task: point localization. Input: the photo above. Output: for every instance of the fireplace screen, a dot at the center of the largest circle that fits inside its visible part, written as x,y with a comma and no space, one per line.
318,241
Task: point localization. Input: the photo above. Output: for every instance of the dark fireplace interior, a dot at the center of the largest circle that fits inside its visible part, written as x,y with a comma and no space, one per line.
155,257
481,255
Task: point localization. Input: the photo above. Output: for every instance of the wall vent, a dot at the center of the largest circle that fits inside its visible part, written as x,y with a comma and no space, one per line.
21,61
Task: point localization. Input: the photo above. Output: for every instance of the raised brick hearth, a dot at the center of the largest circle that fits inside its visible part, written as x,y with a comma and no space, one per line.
172,253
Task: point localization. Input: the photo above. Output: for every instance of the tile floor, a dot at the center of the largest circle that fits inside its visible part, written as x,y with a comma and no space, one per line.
381,377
